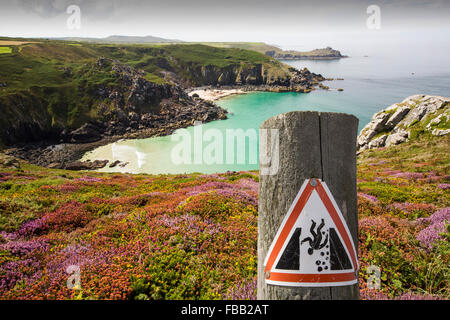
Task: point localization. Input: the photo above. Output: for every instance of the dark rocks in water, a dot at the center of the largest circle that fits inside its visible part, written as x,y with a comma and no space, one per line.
123,165
86,165
324,87
114,164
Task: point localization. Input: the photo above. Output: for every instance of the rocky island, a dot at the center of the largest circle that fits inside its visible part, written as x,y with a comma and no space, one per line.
317,54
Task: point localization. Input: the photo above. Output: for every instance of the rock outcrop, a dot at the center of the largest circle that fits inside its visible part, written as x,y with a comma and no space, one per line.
128,104
318,54
413,116
284,78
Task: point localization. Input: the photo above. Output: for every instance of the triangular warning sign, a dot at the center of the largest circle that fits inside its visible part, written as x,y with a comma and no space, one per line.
313,246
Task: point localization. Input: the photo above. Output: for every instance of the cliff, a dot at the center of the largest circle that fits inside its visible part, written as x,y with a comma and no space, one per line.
275,52
123,102
414,116
81,92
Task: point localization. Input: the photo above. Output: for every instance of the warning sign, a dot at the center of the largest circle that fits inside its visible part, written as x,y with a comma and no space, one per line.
313,246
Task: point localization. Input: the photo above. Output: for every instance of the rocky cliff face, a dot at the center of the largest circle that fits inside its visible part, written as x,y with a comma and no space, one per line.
415,115
256,75
126,104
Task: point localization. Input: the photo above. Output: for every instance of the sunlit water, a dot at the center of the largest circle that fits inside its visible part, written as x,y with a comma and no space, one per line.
371,83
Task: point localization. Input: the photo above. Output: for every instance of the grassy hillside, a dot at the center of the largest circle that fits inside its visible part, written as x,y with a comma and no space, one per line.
194,236
46,86
43,63
276,52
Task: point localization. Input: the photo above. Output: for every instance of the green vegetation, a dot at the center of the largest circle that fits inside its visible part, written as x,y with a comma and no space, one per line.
5,50
264,48
404,214
53,83
194,236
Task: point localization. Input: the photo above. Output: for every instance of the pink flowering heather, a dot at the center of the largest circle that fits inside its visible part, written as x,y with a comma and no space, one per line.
417,296
32,227
411,207
368,294
391,172
4,176
249,184
22,248
408,175
435,178
368,197
88,179
443,186
431,233
243,291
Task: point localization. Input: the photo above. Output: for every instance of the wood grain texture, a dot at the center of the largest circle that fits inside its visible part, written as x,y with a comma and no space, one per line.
311,145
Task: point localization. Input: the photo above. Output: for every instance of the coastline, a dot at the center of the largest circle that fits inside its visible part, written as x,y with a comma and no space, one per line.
68,154
214,93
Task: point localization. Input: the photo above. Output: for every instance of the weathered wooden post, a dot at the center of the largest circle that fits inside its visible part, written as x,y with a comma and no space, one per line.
304,251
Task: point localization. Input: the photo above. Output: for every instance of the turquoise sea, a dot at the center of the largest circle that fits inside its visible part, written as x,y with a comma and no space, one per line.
371,83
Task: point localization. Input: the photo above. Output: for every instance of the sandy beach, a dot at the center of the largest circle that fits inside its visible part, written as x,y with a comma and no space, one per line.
215,94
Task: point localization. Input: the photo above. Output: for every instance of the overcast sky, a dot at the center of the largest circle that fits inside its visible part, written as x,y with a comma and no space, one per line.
281,21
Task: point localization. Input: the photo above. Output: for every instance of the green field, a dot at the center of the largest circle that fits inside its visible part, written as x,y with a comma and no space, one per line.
5,50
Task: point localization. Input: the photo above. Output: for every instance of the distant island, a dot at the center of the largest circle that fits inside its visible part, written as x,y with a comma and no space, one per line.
317,54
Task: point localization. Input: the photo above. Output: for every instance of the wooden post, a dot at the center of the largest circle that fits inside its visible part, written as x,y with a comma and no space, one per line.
311,145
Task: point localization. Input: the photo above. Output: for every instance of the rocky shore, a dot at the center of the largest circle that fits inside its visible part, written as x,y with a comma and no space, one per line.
416,115
302,81
138,108
65,153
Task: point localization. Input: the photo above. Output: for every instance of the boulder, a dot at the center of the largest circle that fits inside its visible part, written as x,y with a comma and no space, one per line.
440,132
86,165
86,133
397,116
397,138
115,163
378,142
